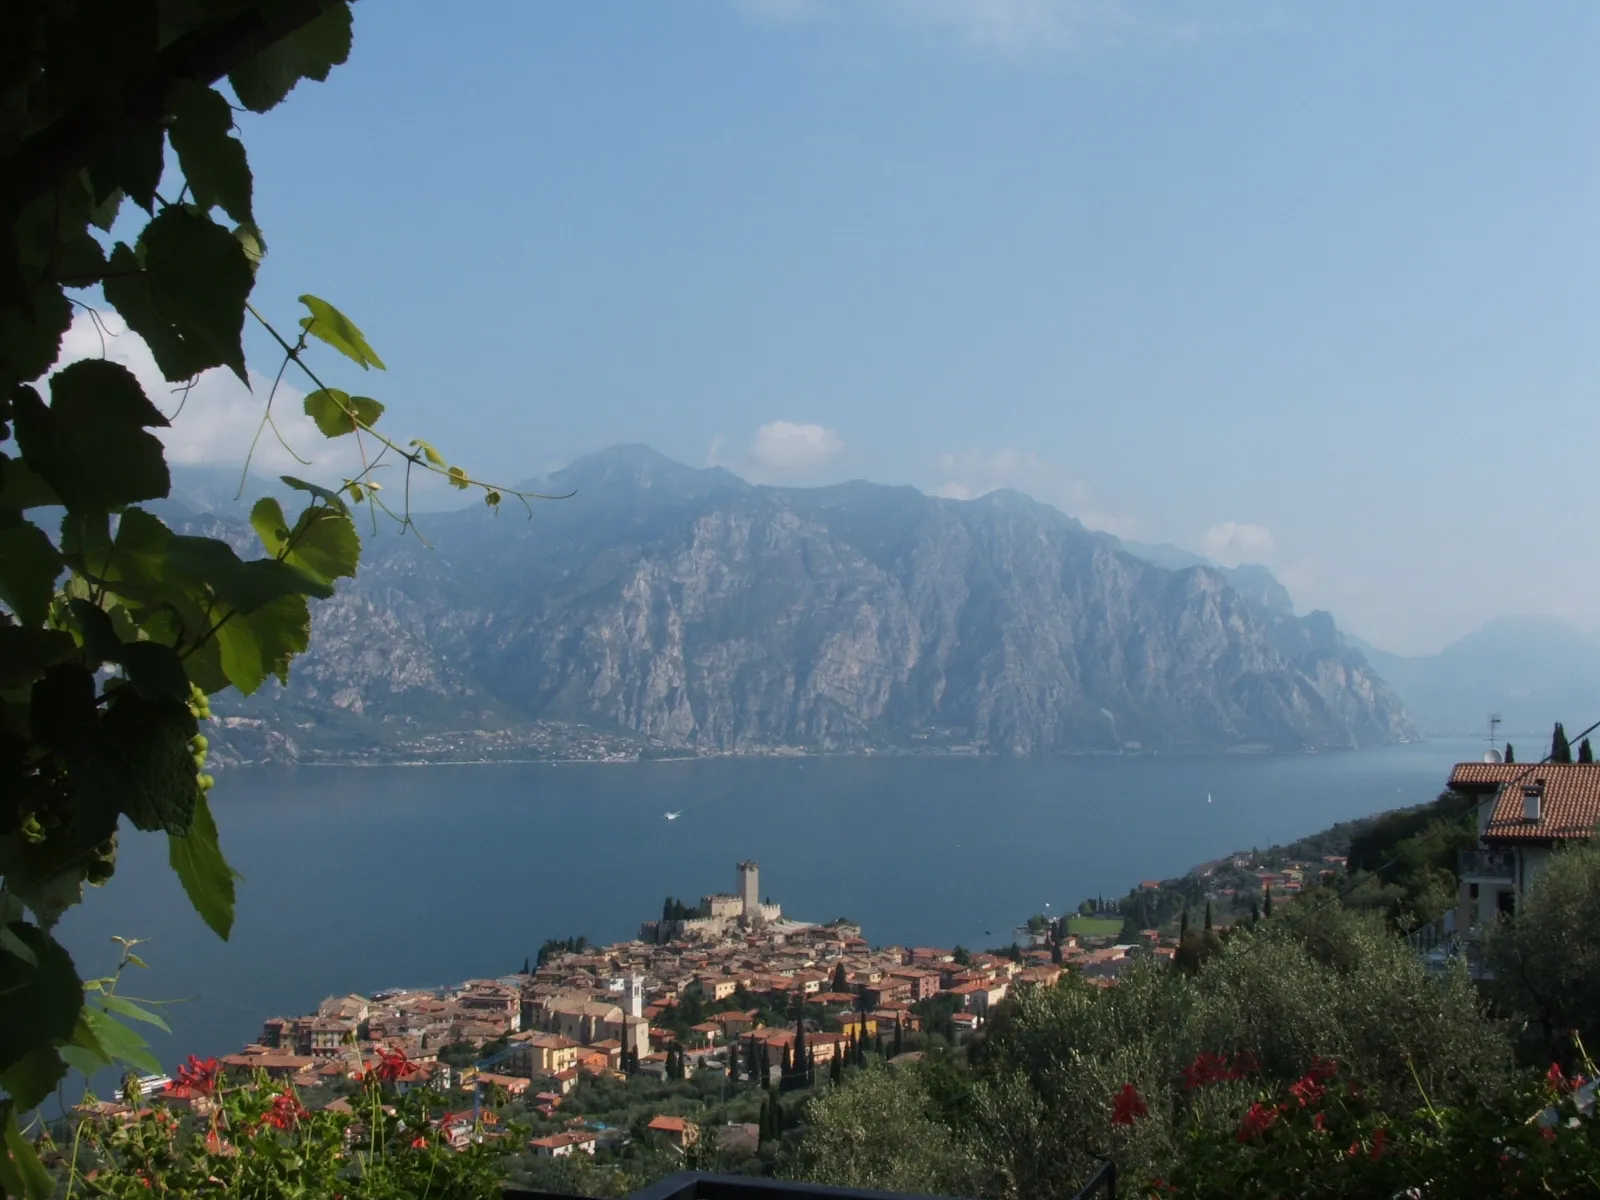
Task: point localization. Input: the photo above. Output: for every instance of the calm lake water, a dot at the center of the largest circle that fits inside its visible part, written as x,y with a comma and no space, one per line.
362,878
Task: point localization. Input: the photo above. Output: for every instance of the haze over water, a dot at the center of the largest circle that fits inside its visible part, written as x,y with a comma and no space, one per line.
357,879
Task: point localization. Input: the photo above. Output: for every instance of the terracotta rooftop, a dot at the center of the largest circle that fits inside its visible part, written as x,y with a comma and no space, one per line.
1570,807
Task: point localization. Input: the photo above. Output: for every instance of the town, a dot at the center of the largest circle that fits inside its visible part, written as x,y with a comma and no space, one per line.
730,988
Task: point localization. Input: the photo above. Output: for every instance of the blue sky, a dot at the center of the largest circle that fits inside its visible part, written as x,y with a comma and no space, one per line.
1308,284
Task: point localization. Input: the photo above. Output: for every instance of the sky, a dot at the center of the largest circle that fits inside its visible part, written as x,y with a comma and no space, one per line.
1307,284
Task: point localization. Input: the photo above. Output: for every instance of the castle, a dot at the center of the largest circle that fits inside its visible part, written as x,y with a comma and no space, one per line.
719,915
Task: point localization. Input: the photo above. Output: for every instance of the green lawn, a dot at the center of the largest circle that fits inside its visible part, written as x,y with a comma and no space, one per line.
1094,926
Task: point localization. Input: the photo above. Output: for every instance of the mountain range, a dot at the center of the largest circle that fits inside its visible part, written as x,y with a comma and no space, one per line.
669,609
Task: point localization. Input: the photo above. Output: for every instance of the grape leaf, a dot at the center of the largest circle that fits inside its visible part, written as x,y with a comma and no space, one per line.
310,52
339,331
29,566
183,291
205,874
213,161
42,1001
90,444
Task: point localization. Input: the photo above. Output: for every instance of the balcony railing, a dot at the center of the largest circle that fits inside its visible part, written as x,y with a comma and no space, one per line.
1486,864
690,1185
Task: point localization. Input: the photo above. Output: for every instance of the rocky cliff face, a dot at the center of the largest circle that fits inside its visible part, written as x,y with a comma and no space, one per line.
690,610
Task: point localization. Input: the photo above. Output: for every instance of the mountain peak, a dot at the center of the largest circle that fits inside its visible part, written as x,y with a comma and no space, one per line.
634,466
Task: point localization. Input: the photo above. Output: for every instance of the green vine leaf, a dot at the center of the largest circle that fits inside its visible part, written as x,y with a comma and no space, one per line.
20,485
309,53
244,586
205,874
271,526
213,161
330,325
257,645
183,291
124,1007
20,1169
132,165
84,1053
29,566
329,498
90,444
34,1076
120,1042
337,413
324,544
42,1001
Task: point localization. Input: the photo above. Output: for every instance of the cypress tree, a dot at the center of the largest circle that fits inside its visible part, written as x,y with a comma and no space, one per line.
1183,925
764,1126
1208,916
1511,754
878,1043
1585,751
525,967
1055,953
811,1066
836,1067
787,1070
1560,750
1255,911
841,982
899,1044
1266,904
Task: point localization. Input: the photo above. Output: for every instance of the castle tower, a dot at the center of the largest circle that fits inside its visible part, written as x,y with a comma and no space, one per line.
749,891
635,994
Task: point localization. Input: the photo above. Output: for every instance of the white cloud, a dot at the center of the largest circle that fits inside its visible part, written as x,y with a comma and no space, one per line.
214,425
1233,542
785,446
974,473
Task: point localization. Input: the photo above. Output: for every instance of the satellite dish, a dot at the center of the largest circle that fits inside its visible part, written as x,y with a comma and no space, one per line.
1492,756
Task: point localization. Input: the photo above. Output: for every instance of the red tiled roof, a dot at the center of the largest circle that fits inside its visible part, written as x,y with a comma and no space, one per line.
1570,807
669,1124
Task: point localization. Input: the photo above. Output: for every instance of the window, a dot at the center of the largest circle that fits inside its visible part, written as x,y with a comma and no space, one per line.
1506,902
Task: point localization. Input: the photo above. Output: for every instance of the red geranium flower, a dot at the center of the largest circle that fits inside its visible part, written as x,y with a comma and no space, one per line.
286,1111
1128,1106
1323,1069
1554,1077
1319,1121
419,1142
1380,1141
391,1065
1308,1091
1257,1121
1205,1069
201,1075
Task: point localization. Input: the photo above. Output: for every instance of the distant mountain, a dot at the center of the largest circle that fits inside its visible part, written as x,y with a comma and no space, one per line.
1258,586
1533,671
690,611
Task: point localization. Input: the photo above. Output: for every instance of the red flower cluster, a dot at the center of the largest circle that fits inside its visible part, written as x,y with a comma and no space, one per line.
392,1065
1257,1121
1128,1106
286,1111
1558,1082
1208,1068
1309,1091
419,1142
201,1075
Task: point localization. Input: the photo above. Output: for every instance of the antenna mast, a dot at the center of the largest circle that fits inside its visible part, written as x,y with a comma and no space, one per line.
1494,726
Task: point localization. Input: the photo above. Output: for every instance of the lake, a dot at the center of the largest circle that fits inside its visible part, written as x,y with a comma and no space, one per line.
357,879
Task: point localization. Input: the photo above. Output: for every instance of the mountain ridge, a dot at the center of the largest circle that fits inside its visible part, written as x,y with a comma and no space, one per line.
681,609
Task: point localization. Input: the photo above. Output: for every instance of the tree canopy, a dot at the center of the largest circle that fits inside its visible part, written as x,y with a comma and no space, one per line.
117,629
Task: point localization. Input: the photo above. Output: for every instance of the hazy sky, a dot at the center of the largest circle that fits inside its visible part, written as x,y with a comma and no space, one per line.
1315,285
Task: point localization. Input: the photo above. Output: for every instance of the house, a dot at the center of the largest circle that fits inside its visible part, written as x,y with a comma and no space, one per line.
680,1132
535,1055
512,1085
1523,814
716,987
923,984
559,1145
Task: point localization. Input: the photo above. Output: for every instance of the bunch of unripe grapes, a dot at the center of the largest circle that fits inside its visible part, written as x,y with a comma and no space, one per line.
200,706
